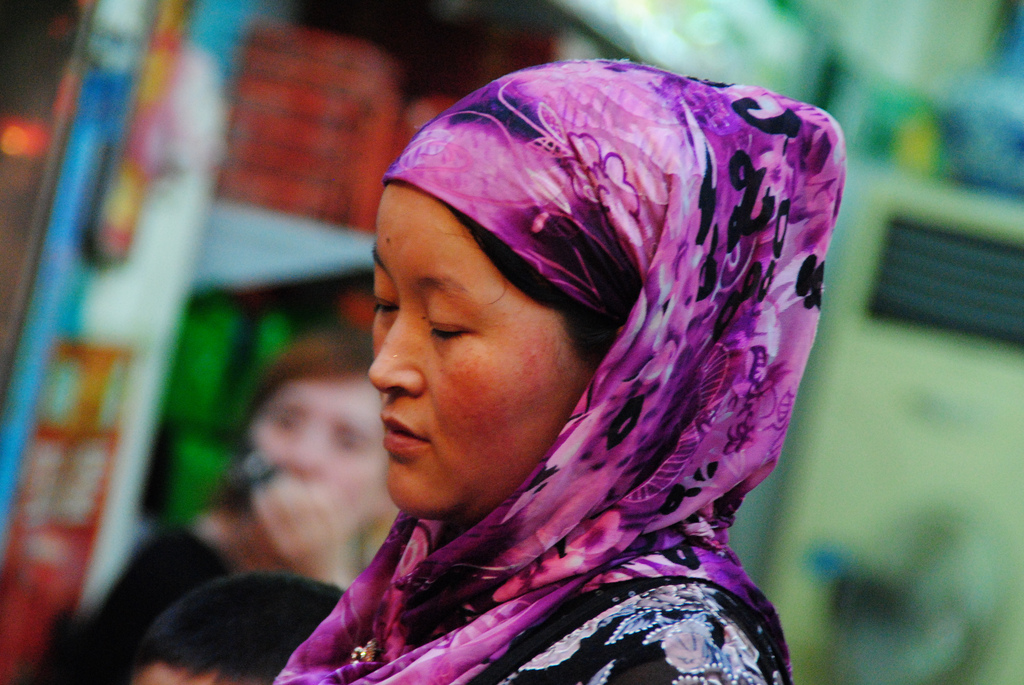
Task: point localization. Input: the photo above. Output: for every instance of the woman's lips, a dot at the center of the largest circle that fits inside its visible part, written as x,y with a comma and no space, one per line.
399,440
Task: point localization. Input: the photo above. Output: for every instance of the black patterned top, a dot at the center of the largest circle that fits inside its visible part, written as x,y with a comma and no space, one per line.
691,633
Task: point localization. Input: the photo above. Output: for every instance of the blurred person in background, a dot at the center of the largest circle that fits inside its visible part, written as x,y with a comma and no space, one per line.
234,630
306,494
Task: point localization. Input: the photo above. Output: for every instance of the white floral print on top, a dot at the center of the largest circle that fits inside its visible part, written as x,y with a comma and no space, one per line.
674,634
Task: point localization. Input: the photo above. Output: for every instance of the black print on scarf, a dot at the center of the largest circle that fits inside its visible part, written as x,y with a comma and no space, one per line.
675,498
809,281
707,82
709,270
543,476
766,282
787,123
707,201
737,297
781,221
778,240
626,421
745,177
560,548
711,468
684,556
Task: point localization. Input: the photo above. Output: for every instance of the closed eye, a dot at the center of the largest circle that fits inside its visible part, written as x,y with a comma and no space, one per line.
444,335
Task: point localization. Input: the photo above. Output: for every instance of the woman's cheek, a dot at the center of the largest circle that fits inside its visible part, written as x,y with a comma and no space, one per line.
482,404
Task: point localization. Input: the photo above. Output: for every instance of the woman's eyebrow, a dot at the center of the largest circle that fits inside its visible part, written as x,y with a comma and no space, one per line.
443,284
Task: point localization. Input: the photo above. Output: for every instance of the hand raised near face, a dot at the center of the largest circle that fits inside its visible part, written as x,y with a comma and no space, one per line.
307,529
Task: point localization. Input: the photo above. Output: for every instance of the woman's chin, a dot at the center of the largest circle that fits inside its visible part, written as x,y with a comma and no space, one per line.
422,501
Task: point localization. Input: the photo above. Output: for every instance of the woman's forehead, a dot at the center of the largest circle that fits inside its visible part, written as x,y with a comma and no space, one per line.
423,244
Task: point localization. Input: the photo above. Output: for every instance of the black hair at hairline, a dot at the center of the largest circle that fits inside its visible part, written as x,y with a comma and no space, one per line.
591,332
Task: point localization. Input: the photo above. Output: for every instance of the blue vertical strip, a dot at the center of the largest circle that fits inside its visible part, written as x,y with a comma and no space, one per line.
99,118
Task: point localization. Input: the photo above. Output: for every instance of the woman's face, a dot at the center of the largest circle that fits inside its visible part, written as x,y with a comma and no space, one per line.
327,431
478,379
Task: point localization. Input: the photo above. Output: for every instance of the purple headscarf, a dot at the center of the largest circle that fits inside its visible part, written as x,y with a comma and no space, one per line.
698,215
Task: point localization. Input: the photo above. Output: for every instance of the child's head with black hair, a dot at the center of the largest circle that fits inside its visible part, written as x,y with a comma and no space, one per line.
237,630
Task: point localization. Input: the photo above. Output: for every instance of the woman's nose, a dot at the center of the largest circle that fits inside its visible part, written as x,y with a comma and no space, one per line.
395,369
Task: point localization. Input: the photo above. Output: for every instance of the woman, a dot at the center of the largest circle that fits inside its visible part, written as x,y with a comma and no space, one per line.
310,499
597,286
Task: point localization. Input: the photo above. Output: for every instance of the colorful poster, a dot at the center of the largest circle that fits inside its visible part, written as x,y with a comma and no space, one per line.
60,499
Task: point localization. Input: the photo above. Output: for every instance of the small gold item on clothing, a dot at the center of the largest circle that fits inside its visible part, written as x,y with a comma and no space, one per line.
367,653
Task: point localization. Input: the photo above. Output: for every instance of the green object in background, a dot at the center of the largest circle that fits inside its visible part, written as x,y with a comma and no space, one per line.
222,352
902,127
273,332
197,463
206,350
885,120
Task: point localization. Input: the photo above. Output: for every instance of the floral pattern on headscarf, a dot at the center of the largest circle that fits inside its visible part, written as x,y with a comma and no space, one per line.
696,214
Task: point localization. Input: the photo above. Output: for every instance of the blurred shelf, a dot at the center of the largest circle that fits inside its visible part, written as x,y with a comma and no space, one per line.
252,247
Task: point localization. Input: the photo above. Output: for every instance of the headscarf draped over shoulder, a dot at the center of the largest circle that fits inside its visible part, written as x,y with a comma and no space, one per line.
697,214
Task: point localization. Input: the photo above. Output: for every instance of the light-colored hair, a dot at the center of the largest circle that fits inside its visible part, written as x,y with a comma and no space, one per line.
337,352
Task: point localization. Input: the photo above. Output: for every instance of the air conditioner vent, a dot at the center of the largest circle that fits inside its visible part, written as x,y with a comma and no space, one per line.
957,282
